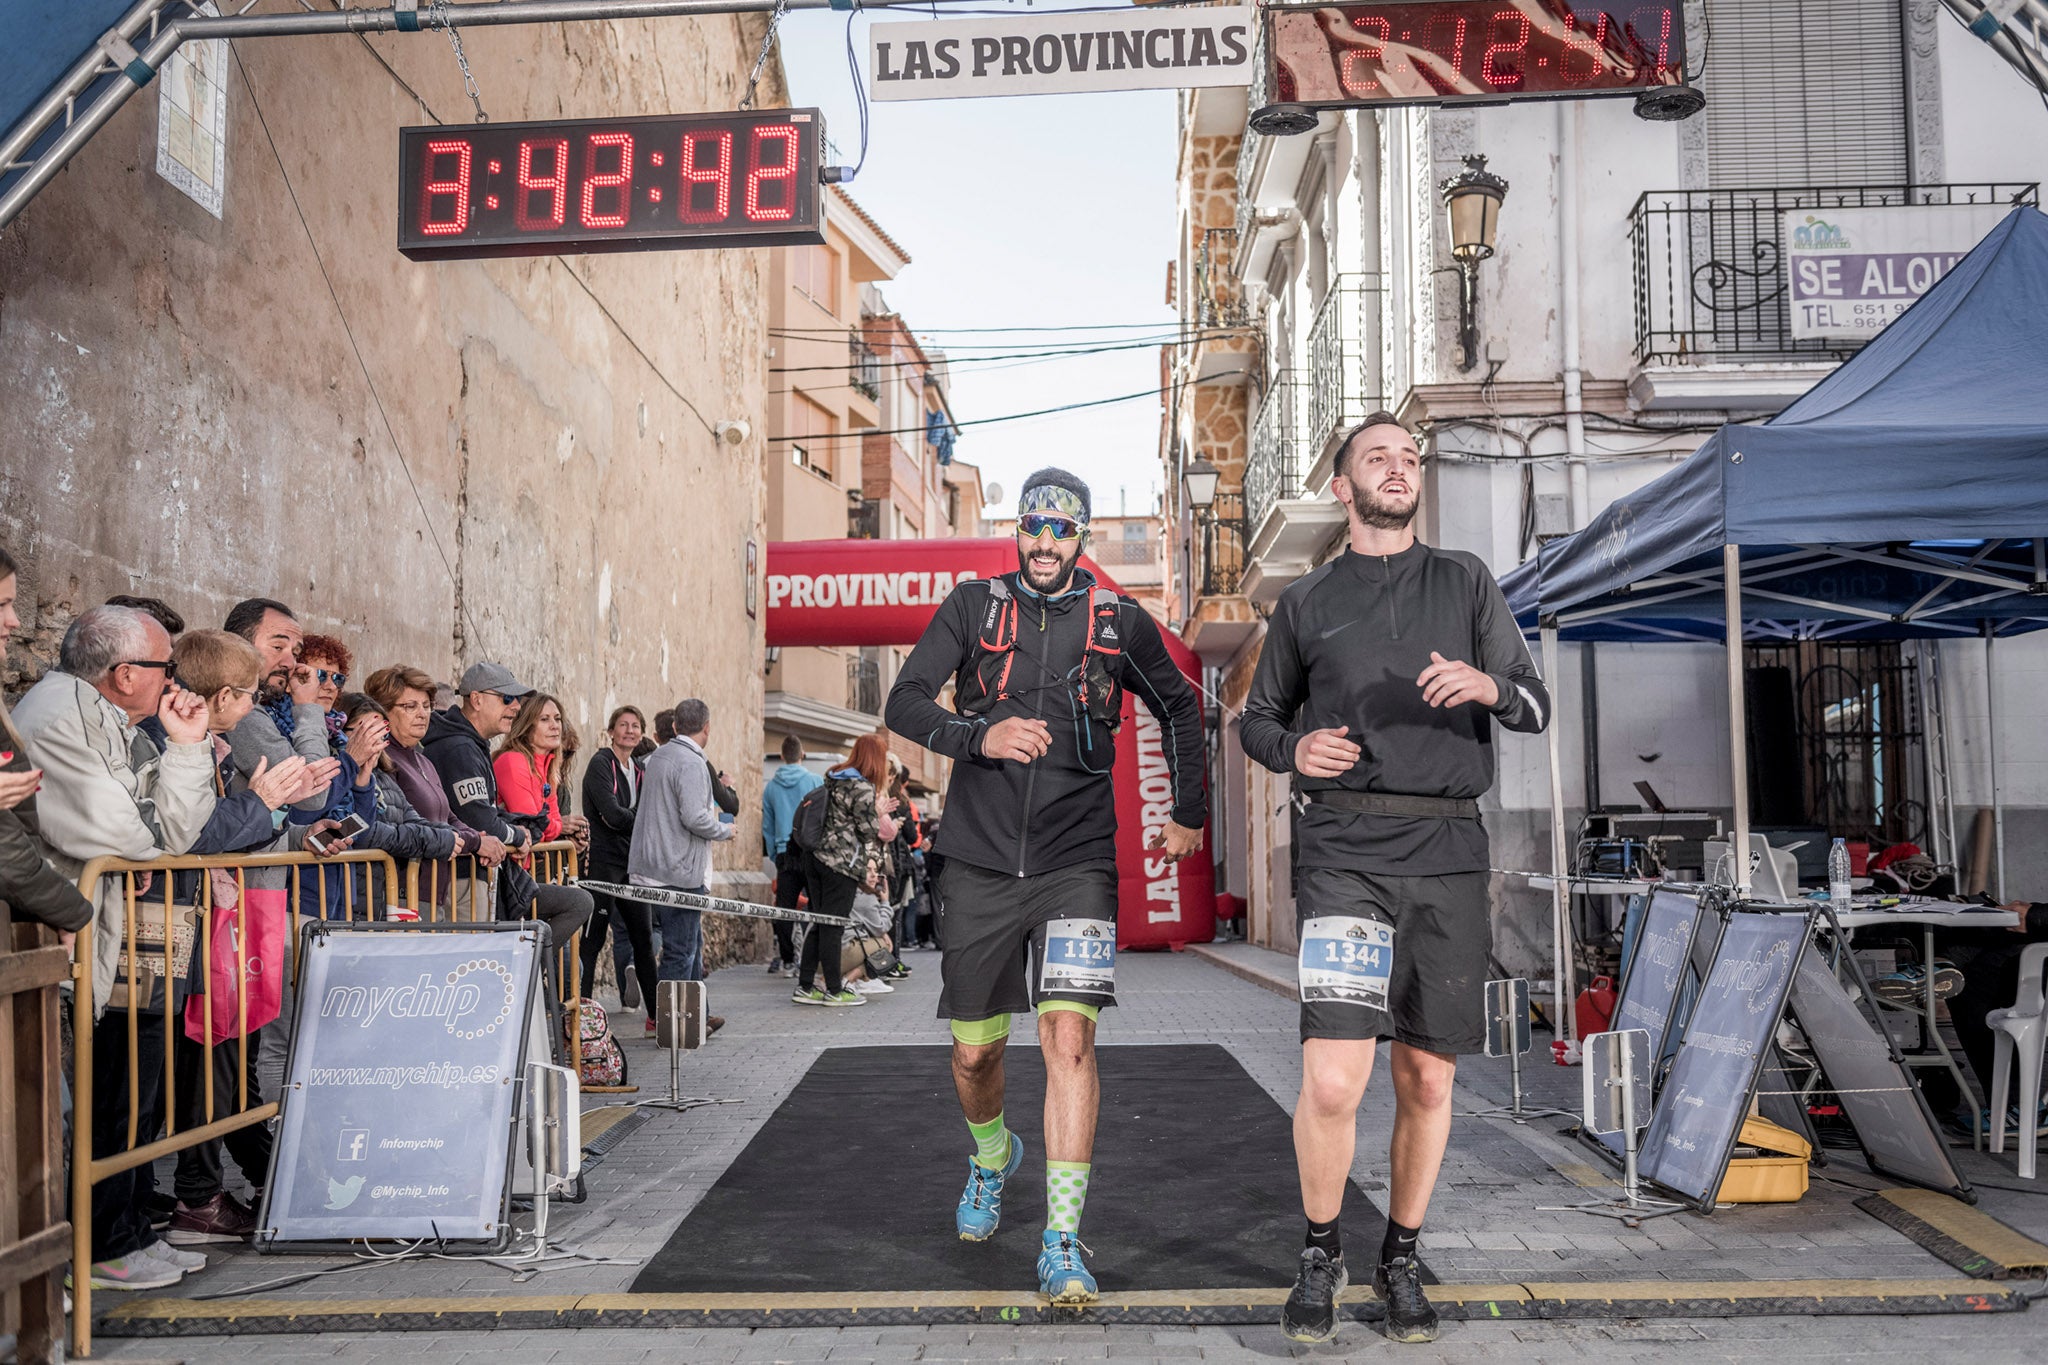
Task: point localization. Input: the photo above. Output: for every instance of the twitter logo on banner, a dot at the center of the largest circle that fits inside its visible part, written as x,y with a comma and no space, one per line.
342,1193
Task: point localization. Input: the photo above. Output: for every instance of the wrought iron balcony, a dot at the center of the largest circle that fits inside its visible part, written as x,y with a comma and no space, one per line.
864,366
1223,535
1274,468
1343,359
864,686
1709,266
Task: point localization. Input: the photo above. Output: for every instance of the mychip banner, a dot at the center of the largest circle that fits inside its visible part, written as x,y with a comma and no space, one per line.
1850,271
1061,54
400,1095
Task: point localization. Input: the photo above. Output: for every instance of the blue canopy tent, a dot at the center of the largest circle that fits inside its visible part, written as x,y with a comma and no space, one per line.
1903,496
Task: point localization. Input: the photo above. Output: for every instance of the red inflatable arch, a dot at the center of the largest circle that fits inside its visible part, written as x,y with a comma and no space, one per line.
884,592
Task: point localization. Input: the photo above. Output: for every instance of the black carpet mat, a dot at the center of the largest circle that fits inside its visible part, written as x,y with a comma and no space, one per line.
851,1185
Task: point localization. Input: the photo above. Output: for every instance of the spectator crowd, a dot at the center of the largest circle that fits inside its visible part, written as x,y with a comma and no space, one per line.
148,740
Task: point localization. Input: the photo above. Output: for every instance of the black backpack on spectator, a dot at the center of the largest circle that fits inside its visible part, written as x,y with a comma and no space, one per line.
807,824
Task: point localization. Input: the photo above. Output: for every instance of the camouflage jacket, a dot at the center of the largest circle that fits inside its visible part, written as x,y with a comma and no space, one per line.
853,835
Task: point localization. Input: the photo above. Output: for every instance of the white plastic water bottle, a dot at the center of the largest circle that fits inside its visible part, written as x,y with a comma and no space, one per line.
1838,875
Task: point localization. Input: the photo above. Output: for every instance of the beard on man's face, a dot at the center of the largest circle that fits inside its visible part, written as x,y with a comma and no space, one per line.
1042,577
1381,512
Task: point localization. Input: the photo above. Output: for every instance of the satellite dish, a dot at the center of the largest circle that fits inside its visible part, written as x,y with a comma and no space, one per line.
994,495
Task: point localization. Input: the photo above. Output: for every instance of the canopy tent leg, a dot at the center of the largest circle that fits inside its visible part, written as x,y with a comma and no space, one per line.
1991,724
1738,719
1565,1023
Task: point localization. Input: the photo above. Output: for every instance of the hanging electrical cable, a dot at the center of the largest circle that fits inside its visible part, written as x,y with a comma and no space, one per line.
843,175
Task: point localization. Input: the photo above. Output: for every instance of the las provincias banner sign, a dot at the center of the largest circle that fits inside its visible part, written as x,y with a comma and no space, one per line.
1061,54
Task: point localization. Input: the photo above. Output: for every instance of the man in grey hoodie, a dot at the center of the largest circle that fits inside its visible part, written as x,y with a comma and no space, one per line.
672,838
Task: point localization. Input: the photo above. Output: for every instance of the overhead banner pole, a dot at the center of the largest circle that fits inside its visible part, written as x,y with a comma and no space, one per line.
135,52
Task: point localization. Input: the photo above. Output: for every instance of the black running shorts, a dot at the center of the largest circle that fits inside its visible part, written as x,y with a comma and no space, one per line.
1008,944
1393,957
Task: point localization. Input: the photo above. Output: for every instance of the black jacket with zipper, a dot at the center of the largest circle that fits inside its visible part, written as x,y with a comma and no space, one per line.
1344,647
1059,811
611,803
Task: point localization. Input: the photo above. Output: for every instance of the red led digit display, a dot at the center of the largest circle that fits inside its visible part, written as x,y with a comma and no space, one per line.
1470,51
586,185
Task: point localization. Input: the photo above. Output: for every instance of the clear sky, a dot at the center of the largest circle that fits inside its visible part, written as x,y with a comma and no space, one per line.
1047,211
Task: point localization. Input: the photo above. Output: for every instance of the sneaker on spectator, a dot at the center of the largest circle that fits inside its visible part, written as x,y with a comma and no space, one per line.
897,971
133,1271
629,991
807,995
187,1261
775,966
159,1206
843,999
868,985
649,1030
220,1219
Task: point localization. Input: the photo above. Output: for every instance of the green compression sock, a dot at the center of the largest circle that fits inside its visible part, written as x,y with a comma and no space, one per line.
1066,1190
991,1143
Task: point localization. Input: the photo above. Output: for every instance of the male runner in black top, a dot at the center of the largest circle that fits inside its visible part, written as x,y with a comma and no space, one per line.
1364,692
1028,895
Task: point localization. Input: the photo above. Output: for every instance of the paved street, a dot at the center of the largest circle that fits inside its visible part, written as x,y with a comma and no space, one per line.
1485,1225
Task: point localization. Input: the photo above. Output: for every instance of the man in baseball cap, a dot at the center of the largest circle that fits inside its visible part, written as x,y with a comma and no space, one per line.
458,744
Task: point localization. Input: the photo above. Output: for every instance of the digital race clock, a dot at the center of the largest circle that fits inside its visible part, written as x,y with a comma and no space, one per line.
586,185
1470,51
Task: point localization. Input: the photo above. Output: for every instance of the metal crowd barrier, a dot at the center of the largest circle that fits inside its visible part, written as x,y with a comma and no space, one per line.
35,1240
155,888
153,960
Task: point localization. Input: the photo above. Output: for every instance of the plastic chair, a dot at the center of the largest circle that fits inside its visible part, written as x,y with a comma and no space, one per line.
2024,1025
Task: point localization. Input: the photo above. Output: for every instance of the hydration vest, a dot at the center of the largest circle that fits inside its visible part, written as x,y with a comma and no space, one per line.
1097,691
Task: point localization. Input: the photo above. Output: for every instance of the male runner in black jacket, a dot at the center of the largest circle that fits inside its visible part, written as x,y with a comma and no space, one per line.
1364,692
1028,899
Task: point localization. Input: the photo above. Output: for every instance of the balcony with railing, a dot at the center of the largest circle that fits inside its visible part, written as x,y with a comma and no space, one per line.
1709,268
864,368
1343,366
1221,569
864,686
1289,525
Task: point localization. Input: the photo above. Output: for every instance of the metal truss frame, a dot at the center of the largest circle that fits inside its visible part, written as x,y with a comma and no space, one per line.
128,56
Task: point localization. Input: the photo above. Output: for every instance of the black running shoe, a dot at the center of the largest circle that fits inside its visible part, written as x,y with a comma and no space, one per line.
1311,1311
1411,1318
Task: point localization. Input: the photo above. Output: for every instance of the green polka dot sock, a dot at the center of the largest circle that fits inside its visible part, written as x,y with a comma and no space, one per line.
1066,1190
991,1143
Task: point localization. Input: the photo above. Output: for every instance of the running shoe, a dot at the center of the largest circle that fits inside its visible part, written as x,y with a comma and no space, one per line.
1311,1310
775,966
807,995
186,1261
871,986
1908,985
981,1203
133,1271
629,991
1061,1276
1411,1318
844,998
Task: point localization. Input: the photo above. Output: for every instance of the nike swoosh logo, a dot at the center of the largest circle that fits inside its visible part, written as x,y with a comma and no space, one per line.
1335,629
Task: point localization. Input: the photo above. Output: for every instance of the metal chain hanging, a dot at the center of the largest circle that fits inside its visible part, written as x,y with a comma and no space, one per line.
439,10
767,45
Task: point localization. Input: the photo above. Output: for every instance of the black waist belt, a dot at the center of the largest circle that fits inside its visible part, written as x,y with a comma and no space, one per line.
1386,803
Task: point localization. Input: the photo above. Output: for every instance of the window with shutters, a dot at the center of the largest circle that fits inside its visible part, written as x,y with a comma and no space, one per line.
1811,92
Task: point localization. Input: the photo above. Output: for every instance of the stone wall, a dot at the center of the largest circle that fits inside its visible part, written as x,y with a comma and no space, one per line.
439,463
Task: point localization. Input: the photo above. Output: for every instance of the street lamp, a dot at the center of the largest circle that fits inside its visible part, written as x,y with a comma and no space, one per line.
1472,200
1201,478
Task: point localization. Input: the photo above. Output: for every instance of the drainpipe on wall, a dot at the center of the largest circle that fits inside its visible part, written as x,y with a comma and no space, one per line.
1568,308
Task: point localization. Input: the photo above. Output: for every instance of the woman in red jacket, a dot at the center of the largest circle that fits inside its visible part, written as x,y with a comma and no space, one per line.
528,768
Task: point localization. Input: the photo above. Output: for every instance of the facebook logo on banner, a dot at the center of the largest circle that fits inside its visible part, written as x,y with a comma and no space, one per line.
355,1144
